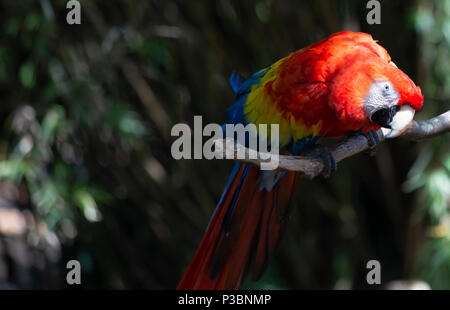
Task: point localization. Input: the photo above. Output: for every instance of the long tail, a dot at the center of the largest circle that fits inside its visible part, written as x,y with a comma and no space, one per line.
244,230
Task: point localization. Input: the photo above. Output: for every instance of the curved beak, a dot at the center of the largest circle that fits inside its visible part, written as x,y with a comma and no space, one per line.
394,119
385,116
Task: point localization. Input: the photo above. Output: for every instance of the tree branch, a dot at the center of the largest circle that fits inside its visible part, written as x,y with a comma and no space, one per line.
312,166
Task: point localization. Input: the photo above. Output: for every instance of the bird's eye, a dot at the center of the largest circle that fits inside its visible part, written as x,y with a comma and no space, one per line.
387,89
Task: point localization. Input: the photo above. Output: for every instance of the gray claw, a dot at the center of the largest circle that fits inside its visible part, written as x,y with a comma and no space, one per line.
372,141
327,157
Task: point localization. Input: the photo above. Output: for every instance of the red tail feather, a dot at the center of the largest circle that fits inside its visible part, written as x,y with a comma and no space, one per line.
247,237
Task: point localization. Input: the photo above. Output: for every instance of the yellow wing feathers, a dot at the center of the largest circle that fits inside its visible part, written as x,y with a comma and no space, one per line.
261,108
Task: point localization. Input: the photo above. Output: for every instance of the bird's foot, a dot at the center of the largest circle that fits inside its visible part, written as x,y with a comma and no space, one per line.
324,153
372,141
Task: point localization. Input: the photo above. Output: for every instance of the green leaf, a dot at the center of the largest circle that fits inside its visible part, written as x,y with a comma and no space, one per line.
27,75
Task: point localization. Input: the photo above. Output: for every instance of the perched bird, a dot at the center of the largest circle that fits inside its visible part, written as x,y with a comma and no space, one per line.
343,84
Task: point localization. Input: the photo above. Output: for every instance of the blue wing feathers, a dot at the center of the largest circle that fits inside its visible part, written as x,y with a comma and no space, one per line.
241,87
236,79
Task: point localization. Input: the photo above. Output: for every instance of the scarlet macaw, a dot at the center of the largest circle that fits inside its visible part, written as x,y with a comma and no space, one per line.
344,83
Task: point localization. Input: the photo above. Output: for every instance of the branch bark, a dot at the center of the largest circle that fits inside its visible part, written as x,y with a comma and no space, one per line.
312,166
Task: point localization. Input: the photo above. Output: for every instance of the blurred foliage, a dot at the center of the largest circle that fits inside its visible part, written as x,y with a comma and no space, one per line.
85,165
431,171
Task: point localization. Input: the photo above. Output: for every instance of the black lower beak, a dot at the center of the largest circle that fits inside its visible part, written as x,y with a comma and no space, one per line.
384,116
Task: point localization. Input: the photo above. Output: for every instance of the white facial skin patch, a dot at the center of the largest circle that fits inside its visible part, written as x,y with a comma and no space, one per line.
382,95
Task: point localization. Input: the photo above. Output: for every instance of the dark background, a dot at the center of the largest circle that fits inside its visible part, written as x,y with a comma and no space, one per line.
85,166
